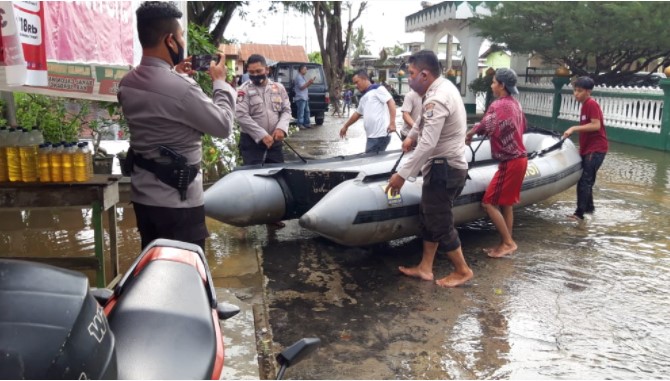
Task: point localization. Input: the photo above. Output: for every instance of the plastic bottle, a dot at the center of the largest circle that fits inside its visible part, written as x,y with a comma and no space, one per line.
43,157
89,160
68,161
56,161
38,137
28,154
4,136
80,166
13,157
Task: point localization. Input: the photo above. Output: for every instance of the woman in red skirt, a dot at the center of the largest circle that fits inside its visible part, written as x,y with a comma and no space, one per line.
504,123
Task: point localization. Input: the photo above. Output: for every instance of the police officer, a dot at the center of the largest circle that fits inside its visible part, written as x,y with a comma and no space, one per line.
440,155
263,112
167,115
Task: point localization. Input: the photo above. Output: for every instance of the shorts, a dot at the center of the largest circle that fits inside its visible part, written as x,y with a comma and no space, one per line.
505,187
181,224
435,214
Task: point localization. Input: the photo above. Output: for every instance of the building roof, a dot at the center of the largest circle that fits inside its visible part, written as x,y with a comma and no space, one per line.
290,53
492,49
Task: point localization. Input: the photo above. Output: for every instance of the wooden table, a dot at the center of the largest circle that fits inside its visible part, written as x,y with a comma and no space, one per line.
100,193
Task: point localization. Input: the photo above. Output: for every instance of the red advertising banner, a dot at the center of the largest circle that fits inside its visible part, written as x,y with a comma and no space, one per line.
88,44
90,31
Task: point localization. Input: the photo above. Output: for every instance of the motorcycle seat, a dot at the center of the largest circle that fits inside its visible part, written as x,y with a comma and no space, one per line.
163,324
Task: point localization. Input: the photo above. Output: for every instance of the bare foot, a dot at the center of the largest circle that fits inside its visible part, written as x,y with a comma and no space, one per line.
416,273
575,217
503,250
488,250
454,279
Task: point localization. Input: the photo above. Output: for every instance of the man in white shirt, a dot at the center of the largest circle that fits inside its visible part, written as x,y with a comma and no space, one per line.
378,111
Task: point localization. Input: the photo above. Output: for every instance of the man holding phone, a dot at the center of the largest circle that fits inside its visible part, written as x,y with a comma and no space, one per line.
301,98
167,115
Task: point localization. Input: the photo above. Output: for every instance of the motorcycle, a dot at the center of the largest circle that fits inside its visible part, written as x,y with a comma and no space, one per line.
161,321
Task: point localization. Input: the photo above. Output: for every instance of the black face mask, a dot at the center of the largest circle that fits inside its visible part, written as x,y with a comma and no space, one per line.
257,79
175,57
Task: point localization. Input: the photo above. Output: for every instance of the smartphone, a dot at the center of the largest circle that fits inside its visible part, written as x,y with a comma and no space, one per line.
200,62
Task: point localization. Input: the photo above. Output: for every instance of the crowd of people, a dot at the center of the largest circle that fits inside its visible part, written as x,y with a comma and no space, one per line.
168,113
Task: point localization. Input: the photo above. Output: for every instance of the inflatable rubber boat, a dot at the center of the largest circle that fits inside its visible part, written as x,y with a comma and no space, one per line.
256,194
358,211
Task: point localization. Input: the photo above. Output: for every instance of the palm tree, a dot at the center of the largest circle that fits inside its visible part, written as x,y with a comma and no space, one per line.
360,43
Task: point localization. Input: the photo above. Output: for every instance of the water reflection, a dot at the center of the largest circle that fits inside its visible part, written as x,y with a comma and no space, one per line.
576,301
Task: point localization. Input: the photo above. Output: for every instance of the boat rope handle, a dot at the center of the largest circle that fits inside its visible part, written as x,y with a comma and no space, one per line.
296,152
476,149
545,151
397,162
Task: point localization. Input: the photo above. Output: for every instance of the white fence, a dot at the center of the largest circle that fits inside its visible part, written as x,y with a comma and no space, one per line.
628,108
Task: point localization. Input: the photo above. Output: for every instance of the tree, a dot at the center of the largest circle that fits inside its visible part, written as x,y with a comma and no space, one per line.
396,50
315,57
217,13
360,43
327,17
609,41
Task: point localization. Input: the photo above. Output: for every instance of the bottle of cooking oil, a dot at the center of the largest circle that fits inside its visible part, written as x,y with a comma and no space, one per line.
67,160
4,136
56,162
80,167
28,155
13,157
43,157
89,160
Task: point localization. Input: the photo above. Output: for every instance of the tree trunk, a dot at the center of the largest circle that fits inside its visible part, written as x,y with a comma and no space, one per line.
328,16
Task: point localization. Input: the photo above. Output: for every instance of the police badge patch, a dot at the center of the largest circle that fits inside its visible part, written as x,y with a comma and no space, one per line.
240,96
428,110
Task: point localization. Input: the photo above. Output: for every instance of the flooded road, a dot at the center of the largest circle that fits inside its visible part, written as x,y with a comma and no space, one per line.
585,301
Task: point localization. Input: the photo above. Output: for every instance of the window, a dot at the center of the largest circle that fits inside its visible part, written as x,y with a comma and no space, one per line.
283,74
314,72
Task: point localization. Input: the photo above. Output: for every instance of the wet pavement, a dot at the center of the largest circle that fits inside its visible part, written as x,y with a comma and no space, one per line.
584,301
575,301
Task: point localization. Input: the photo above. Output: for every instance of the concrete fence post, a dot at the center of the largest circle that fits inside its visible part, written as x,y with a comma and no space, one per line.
665,119
559,82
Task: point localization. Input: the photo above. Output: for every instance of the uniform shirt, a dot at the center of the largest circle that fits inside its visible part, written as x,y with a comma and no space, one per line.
261,109
592,141
440,131
299,82
505,123
375,111
166,108
412,105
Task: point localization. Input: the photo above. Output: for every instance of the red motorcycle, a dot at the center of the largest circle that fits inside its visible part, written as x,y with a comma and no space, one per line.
160,322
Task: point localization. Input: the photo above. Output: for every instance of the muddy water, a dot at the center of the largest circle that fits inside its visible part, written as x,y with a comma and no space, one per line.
575,301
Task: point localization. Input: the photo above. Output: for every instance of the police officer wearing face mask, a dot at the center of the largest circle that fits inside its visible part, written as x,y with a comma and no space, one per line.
263,112
440,156
167,115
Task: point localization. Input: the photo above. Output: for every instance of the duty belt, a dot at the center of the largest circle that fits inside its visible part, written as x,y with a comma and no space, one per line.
176,174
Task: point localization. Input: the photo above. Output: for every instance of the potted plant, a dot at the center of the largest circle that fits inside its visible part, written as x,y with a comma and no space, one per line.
59,119
114,124
122,162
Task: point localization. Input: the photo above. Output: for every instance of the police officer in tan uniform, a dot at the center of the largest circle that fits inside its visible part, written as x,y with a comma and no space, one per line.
411,112
167,115
263,112
440,155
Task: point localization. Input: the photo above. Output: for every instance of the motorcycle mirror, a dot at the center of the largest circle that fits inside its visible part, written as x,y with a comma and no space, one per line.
226,310
296,353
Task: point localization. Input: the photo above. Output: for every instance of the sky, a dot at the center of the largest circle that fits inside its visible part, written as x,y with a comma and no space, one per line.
383,22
